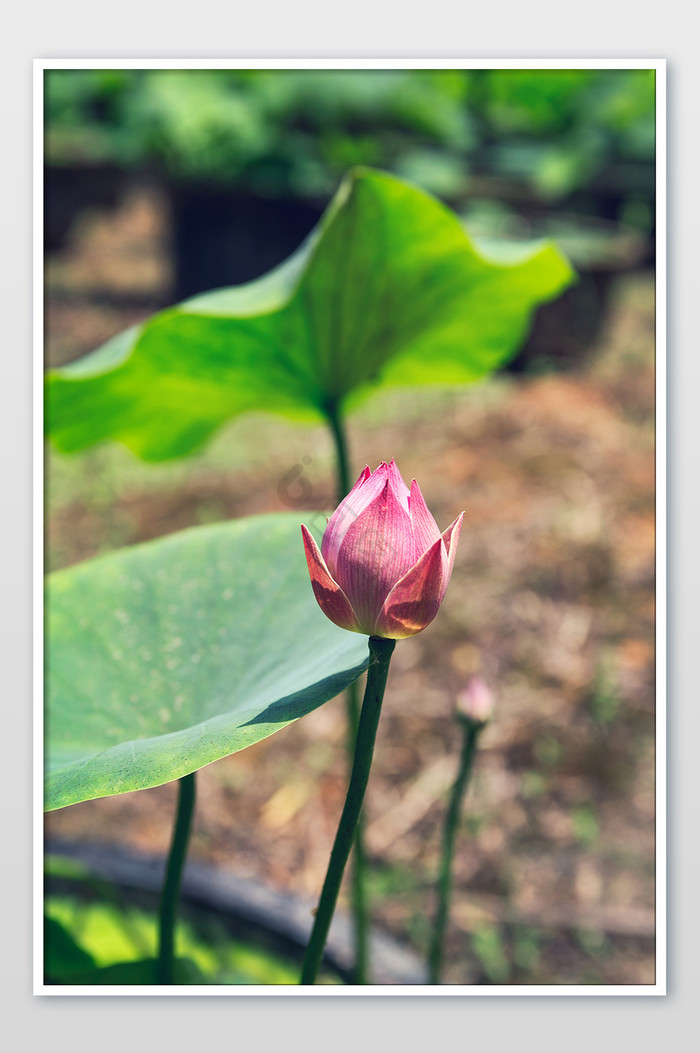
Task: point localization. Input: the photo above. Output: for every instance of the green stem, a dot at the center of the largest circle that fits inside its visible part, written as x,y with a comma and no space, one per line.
360,912
380,652
173,876
471,735
342,461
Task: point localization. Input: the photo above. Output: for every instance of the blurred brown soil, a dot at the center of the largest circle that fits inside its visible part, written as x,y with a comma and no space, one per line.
552,598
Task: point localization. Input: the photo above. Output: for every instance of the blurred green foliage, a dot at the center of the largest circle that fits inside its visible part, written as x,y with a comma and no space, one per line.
296,131
558,128
526,951
548,751
585,822
604,702
490,950
105,935
91,926
277,130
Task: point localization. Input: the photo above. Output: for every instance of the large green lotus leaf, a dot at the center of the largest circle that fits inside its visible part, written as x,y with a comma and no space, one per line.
387,290
63,957
143,971
164,657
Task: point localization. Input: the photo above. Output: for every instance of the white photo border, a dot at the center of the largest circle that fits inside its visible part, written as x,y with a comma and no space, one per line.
659,987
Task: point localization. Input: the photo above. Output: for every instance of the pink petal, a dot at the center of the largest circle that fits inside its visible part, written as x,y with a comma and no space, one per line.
451,539
425,529
376,551
368,486
329,596
415,599
401,491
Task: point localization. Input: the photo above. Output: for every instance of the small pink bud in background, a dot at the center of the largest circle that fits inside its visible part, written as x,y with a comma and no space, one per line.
476,701
383,566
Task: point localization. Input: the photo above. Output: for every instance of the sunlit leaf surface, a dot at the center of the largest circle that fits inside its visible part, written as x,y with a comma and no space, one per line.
167,656
388,290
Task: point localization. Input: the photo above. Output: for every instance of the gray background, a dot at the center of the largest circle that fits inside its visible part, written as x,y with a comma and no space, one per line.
366,28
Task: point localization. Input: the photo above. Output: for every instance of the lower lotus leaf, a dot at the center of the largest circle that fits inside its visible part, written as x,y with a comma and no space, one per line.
169,655
63,956
144,971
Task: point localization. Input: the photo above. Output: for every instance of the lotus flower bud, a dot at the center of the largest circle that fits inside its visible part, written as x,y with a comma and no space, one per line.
383,566
475,703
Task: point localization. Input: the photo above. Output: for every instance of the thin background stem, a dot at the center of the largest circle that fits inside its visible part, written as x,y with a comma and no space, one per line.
337,426
360,911
173,877
471,735
380,652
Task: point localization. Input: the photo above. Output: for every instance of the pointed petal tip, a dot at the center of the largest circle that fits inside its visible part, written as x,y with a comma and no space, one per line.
344,514
415,599
415,488
426,530
452,533
401,491
451,539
